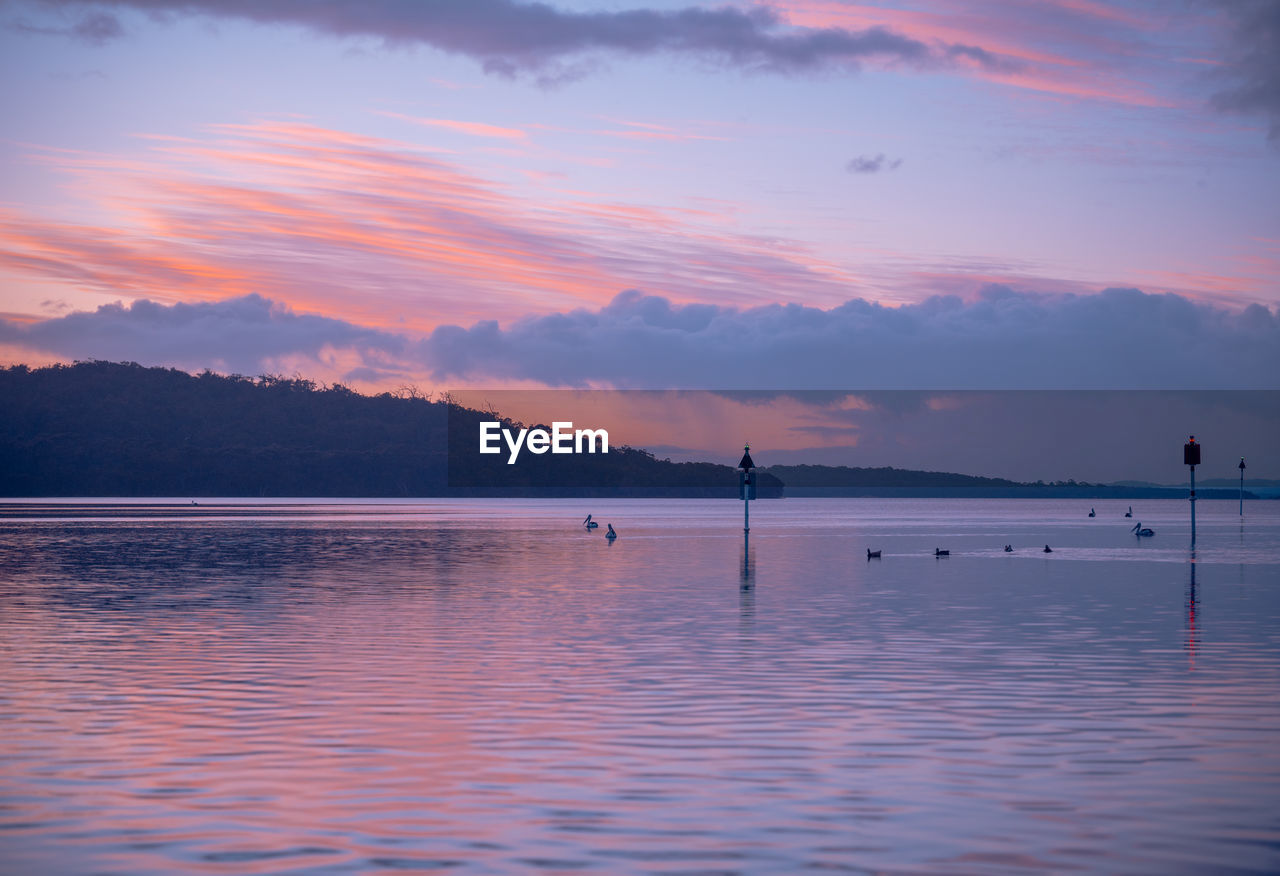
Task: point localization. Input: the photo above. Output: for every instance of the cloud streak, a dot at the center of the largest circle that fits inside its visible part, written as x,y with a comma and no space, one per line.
373,230
511,38
1067,48
94,28
872,164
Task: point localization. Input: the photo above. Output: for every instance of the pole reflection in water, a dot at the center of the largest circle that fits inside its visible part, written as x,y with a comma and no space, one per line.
1193,635
748,573
747,587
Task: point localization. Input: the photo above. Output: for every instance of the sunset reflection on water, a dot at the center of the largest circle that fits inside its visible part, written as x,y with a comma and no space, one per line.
485,686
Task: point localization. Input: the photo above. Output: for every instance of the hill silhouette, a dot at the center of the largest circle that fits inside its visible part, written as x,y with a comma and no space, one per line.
120,429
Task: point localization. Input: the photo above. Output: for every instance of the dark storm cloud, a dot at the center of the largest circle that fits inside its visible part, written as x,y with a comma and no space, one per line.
238,335
510,37
1120,338
1253,61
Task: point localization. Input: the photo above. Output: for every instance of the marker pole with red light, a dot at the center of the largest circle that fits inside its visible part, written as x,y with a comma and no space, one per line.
1191,457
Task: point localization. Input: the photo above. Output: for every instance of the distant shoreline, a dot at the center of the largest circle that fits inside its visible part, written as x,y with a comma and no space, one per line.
207,502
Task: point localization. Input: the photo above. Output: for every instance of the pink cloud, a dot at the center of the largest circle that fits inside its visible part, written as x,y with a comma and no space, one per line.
475,129
1069,48
379,232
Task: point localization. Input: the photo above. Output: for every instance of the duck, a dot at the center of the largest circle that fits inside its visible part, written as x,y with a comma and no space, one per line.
1140,531
873,555
939,552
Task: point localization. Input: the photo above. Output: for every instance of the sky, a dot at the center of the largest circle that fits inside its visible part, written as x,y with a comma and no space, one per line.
913,195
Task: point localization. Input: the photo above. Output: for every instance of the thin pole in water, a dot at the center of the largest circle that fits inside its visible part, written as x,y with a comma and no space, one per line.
746,486
1242,486
1191,457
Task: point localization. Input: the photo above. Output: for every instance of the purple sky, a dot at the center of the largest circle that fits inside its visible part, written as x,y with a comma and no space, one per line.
818,194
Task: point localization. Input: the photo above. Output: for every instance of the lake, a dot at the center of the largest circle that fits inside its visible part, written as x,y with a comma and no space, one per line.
485,687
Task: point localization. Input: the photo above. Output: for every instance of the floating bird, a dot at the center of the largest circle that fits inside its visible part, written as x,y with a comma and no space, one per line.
939,552
1139,531
589,523
1048,550
1093,513
873,555
611,535
1008,549
1129,513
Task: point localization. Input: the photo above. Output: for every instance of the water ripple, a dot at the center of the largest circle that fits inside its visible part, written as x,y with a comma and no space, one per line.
486,688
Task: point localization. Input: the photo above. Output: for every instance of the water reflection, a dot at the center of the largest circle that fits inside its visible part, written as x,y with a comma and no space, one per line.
1192,604
498,694
747,588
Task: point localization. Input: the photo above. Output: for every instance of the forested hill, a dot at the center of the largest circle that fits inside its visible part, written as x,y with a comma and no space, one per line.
111,429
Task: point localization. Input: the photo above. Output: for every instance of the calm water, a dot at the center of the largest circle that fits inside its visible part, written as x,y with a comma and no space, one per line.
485,687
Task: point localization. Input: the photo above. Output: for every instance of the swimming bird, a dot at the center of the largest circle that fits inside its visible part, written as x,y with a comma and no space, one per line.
1008,549
1093,513
1048,550
1140,531
611,535
939,552
1129,513
873,555
589,523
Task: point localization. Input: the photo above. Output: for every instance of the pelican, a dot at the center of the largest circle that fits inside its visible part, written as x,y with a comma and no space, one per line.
589,523
1048,550
611,535
1129,513
1140,531
1093,513
1008,549
939,552
873,555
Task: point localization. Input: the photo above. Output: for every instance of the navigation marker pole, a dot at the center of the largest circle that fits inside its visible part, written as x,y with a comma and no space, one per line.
1191,457
1242,486
746,486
